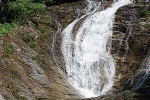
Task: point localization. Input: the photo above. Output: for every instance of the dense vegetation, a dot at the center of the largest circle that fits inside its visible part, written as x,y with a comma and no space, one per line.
12,12
144,13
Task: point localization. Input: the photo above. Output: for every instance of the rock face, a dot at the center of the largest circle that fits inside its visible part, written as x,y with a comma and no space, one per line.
131,42
28,72
130,49
32,65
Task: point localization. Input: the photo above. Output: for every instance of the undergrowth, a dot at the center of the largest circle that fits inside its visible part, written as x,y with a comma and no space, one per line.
18,11
7,27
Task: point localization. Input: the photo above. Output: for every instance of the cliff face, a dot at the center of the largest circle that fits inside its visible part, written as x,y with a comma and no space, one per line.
130,49
131,42
32,65
29,72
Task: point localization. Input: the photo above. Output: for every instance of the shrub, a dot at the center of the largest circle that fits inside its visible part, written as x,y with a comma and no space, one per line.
32,45
53,2
7,27
27,38
19,9
10,49
144,13
34,57
52,25
23,8
43,1
42,29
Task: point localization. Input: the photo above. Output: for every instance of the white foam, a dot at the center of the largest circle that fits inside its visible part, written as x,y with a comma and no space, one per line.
89,64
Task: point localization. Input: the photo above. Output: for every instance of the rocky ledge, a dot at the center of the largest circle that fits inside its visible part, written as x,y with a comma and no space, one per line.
32,65
130,49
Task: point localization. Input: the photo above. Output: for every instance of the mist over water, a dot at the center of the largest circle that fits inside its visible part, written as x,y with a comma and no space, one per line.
89,64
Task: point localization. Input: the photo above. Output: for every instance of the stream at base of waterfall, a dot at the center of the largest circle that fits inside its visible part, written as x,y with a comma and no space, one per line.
86,50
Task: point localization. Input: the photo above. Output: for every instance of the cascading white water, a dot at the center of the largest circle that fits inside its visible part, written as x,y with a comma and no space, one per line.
89,64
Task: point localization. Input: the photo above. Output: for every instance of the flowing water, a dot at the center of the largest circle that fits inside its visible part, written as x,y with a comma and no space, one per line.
89,64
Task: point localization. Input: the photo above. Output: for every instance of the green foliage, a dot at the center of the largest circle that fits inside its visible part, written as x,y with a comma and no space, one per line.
10,49
19,9
147,26
11,74
144,13
27,38
32,45
43,29
128,97
15,91
34,57
43,61
54,2
23,8
7,27
138,1
43,1
52,25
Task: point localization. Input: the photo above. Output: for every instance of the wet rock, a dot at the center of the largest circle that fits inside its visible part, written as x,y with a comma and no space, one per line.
1,97
39,72
32,73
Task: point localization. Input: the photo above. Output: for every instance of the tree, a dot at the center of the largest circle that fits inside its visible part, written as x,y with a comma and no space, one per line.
6,2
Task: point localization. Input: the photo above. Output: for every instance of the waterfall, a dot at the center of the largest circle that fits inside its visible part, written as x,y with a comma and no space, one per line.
89,64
